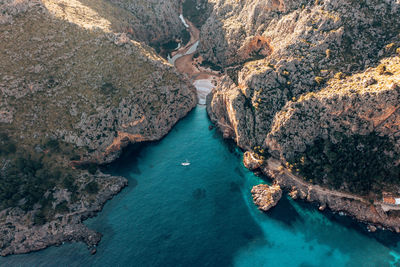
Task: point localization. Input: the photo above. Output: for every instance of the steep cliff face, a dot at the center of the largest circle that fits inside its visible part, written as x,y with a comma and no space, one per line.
75,88
346,135
233,26
307,43
289,98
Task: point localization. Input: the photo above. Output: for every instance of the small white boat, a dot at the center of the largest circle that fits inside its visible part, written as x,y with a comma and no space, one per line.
186,163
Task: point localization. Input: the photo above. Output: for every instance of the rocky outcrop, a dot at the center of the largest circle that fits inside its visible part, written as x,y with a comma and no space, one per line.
251,162
265,196
312,45
77,89
20,234
103,87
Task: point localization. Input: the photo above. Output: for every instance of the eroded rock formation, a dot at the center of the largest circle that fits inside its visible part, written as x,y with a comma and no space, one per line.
265,196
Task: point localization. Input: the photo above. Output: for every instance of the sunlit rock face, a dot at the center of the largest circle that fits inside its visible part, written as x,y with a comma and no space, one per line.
348,131
310,46
265,196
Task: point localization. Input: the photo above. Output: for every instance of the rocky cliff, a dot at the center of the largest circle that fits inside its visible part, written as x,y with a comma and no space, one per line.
75,88
274,53
313,84
346,135
277,52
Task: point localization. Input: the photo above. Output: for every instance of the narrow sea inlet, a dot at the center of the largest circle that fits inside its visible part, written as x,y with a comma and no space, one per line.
202,215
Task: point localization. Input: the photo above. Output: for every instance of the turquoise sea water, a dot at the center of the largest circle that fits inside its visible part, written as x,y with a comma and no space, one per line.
202,215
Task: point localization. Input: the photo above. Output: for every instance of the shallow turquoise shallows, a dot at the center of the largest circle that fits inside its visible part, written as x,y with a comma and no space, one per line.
202,215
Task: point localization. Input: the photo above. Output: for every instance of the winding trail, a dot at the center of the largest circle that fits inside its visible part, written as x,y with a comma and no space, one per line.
275,165
204,79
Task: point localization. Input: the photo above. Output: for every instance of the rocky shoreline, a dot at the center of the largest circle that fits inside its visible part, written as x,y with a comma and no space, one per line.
98,88
372,214
19,234
266,196
283,90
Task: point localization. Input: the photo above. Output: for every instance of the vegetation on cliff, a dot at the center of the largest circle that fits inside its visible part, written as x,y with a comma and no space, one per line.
328,82
359,164
345,135
75,88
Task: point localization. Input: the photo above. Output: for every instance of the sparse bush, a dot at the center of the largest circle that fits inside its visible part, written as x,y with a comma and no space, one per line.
108,88
39,218
69,184
319,80
92,168
381,69
62,207
328,53
92,187
7,146
340,76
75,157
53,145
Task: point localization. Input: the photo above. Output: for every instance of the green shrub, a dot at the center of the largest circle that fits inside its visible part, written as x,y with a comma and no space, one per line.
62,207
53,145
92,187
39,218
358,160
75,157
69,184
7,146
28,178
381,69
108,88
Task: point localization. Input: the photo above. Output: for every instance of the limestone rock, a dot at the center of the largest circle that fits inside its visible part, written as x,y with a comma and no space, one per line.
265,196
309,43
77,82
250,161
296,95
153,21
19,233
347,123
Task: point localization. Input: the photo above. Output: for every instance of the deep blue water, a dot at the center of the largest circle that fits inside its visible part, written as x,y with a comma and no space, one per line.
202,215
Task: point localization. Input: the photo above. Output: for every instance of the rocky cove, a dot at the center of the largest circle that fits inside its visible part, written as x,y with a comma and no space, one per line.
226,105
203,214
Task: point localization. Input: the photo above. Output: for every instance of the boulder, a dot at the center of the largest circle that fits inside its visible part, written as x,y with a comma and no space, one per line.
250,161
265,196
